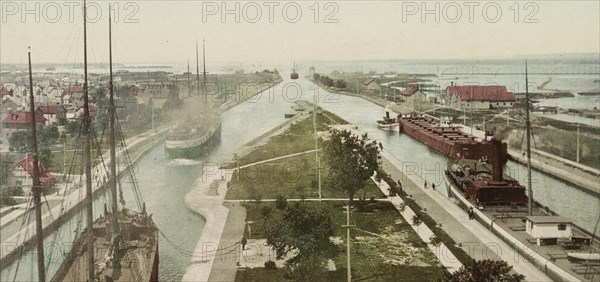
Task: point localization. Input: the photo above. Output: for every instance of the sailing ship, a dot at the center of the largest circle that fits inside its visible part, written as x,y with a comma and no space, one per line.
120,245
500,203
195,136
37,186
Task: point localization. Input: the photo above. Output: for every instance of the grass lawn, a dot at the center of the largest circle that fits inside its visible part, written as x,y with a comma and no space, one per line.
399,256
295,177
297,138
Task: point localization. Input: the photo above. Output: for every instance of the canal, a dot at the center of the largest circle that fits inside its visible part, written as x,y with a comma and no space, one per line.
561,197
164,183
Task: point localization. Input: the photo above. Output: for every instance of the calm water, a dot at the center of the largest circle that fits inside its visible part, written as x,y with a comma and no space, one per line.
164,184
419,159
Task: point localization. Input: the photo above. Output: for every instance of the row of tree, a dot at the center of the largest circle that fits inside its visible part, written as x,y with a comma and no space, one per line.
329,82
307,231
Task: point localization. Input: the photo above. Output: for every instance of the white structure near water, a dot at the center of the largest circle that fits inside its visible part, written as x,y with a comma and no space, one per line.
548,229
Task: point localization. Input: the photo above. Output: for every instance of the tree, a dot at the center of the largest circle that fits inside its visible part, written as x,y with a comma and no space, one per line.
484,270
47,135
307,231
19,141
341,84
46,158
317,77
352,161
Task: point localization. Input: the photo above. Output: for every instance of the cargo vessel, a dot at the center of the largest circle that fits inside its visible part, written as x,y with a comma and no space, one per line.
446,138
193,138
501,204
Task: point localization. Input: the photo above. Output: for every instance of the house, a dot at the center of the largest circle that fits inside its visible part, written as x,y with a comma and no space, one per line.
480,97
547,230
6,92
413,97
79,112
371,84
73,95
21,120
10,103
53,113
134,90
22,176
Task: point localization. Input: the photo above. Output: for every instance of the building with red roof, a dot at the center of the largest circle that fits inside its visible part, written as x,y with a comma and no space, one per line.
5,92
53,113
21,120
74,89
480,97
413,97
22,175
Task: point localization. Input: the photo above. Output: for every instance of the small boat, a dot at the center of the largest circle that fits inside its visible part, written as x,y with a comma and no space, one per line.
583,256
387,122
289,115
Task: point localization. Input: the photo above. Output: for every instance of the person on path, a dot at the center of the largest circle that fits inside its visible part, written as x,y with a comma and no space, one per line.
244,241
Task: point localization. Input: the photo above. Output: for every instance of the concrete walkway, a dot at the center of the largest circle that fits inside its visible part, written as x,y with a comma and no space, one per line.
202,200
444,255
477,241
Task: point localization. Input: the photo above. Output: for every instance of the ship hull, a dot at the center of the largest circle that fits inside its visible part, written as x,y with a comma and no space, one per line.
450,141
191,149
140,261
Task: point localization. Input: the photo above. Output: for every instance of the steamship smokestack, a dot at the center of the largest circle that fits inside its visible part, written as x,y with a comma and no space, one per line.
387,114
498,158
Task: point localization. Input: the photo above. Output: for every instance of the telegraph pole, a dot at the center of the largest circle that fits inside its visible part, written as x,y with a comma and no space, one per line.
348,226
577,157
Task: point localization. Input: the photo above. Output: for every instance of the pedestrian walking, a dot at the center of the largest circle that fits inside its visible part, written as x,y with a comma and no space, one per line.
433,186
244,241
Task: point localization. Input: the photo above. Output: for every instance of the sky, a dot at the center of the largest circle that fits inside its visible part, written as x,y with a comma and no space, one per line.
167,31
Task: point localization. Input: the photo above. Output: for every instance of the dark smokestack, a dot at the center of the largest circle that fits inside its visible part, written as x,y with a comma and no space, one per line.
502,134
387,114
497,159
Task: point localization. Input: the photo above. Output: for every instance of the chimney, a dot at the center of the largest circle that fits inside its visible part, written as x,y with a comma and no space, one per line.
498,159
387,114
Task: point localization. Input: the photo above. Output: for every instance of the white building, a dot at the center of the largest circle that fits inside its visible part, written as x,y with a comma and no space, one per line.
548,229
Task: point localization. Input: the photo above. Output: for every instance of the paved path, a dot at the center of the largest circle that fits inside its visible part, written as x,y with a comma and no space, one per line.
476,240
444,255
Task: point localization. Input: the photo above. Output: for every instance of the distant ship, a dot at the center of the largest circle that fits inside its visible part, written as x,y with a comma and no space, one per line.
294,74
51,69
193,138
120,245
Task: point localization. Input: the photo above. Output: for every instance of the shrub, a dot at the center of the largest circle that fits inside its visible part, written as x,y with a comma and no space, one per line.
270,265
281,203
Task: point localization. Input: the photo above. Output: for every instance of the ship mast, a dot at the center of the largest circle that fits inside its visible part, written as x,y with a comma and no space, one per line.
188,80
204,68
197,71
37,187
113,158
87,157
528,132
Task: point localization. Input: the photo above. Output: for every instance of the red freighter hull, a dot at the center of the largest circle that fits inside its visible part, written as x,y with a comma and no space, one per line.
448,140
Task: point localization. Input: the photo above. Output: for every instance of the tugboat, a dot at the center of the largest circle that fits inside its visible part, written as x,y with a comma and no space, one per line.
120,245
387,122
